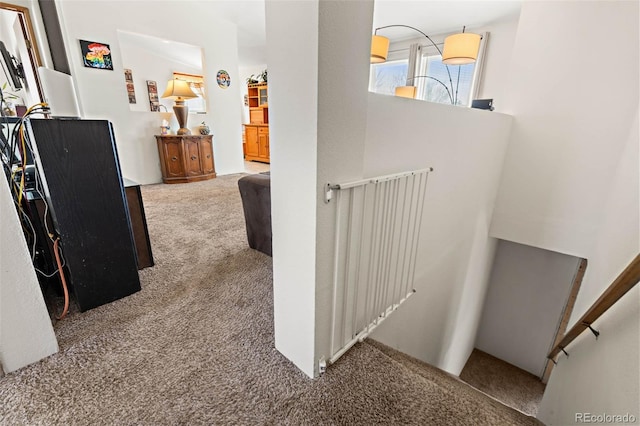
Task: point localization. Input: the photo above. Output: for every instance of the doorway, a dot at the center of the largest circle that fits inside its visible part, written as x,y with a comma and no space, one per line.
20,59
527,308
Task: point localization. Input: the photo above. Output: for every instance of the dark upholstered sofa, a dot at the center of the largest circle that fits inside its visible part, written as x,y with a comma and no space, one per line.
255,191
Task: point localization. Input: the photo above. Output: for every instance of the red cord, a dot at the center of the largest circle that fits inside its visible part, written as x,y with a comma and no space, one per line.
64,281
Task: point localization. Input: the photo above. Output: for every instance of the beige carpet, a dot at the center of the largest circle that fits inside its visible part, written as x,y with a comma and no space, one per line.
195,346
507,383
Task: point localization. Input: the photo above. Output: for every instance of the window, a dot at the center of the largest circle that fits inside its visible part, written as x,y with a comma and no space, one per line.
196,82
432,80
385,77
432,91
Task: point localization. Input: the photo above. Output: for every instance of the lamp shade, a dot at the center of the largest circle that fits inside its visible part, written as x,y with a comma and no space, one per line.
178,89
461,49
379,49
406,91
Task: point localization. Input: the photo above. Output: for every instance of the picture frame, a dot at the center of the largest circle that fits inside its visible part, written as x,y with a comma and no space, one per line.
131,92
96,55
154,103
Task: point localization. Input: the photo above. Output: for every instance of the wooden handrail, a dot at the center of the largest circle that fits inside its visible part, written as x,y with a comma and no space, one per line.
625,282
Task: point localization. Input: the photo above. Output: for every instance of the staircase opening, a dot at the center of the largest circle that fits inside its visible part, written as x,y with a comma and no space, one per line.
526,311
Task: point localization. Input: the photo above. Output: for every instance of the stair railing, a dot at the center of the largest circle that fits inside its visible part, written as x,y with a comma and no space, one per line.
620,286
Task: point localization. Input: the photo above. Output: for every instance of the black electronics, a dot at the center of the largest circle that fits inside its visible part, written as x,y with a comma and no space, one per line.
78,165
482,104
12,68
44,257
29,177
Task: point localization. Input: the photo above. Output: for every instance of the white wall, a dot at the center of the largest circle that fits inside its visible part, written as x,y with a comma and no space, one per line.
293,116
438,324
528,290
319,124
602,376
146,65
101,92
498,53
343,69
26,334
572,110
570,182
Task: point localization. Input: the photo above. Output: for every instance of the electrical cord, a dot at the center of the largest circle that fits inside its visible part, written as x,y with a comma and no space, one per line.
20,144
64,281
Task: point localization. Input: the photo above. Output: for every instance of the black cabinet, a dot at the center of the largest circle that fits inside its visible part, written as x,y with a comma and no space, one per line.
78,163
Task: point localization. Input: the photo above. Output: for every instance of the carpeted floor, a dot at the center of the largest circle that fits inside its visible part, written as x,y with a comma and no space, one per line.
196,346
505,382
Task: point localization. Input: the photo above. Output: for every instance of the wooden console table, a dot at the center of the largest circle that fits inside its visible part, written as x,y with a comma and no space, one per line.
186,158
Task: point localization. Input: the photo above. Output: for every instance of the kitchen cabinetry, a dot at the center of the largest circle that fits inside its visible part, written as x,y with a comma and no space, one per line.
257,142
257,131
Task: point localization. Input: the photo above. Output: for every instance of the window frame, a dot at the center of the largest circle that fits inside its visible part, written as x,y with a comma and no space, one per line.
402,51
196,83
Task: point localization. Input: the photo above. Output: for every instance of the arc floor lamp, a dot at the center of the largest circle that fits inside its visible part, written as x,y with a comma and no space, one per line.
459,49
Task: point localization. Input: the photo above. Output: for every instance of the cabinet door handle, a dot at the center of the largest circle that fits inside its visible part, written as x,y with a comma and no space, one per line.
208,155
193,157
174,158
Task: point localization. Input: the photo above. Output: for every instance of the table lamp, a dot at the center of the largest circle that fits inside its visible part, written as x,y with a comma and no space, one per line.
179,91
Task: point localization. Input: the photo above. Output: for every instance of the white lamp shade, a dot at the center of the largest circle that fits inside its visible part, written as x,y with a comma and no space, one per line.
178,89
379,49
461,49
406,91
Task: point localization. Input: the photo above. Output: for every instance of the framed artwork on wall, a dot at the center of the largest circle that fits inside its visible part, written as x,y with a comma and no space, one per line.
96,55
154,103
131,92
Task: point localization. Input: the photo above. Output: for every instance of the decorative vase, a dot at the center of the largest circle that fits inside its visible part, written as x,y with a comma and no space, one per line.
204,129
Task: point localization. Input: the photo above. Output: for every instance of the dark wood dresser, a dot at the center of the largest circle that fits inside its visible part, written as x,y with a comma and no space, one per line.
186,158
138,224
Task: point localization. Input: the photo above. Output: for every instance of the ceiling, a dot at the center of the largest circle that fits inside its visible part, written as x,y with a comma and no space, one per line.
431,16
440,17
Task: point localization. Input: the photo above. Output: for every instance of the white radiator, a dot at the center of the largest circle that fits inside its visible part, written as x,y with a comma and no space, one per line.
377,230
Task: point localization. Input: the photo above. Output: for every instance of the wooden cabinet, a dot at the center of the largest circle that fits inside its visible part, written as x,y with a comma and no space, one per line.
186,158
257,142
251,139
257,131
258,97
206,156
138,224
263,143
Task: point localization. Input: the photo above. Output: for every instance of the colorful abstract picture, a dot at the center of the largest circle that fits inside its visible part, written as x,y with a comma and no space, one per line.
96,55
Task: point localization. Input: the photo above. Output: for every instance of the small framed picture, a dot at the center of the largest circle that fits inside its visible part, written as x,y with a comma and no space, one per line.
96,55
152,88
